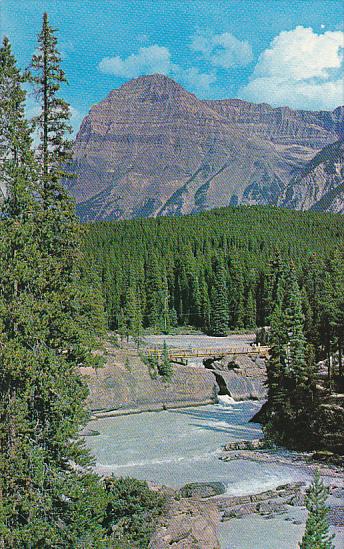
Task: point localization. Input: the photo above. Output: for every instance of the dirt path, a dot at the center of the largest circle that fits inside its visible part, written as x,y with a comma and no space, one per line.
200,341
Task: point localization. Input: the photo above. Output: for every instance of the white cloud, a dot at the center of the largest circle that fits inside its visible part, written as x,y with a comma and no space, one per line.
300,69
222,50
75,119
193,79
157,59
148,60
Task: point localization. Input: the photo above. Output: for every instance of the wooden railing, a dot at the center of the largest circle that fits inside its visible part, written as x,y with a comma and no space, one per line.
203,353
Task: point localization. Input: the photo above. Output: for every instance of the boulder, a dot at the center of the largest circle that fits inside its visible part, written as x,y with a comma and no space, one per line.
270,507
187,524
336,516
240,387
239,511
338,493
255,444
298,500
202,489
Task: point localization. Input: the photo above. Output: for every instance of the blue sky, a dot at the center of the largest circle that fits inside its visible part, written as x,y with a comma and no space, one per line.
283,52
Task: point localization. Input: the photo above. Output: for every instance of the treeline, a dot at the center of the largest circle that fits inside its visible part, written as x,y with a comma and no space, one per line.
214,271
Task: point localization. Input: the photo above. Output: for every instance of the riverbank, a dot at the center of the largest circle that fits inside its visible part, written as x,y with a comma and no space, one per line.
201,522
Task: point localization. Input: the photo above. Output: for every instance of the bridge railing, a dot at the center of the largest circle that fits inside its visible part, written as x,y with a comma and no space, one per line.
214,352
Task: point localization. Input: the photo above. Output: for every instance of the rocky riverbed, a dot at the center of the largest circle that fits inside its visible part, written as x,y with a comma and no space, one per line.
250,498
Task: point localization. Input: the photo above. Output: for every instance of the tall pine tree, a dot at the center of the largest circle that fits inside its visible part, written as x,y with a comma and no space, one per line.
48,496
219,301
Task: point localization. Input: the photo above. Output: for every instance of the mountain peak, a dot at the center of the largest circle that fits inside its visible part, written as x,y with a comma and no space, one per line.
155,83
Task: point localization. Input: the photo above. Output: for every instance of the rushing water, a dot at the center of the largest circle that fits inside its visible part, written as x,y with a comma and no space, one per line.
178,446
174,447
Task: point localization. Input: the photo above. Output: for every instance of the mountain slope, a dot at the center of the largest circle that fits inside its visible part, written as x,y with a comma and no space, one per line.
152,148
320,186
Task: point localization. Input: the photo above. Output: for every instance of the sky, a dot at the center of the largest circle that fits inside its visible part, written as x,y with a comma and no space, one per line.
281,52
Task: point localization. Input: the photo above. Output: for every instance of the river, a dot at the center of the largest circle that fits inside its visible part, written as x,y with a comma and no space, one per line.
174,447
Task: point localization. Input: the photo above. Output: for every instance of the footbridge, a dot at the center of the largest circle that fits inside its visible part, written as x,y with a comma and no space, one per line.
176,355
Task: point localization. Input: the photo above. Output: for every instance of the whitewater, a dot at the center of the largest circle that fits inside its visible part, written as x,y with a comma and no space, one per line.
174,447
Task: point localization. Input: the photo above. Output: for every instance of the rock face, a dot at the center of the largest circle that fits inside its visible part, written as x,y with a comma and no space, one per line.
320,186
121,389
242,378
152,148
268,503
117,388
188,524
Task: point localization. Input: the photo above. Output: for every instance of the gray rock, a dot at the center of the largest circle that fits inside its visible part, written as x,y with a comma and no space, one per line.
297,501
241,387
239,511
269,507
246,445
336,516
89,432
202,489
338,493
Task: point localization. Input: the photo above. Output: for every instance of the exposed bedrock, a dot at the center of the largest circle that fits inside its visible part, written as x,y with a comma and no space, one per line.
124,384
188,524
240,377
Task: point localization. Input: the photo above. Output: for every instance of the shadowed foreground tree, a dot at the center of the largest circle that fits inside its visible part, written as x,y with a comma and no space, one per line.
51,315
48,497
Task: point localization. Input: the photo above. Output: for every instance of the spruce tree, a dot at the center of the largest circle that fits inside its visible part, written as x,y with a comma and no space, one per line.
276,364
219,302
317,534
20,265
133,315
296,367
250,309
55,150
165,368
47,333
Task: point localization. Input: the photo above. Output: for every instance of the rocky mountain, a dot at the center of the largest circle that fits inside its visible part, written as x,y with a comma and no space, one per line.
320,185
152,148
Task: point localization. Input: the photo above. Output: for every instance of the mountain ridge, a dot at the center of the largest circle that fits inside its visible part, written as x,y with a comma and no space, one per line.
152,148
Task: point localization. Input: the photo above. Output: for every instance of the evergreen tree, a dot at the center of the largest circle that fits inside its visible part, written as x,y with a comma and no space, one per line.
276,364
55,150
296,367
48,496
15,139
250,309
165,367
317,534
337,298
133,315
219,302
204,304
236,296
290,371
328,303
275,273
156,292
